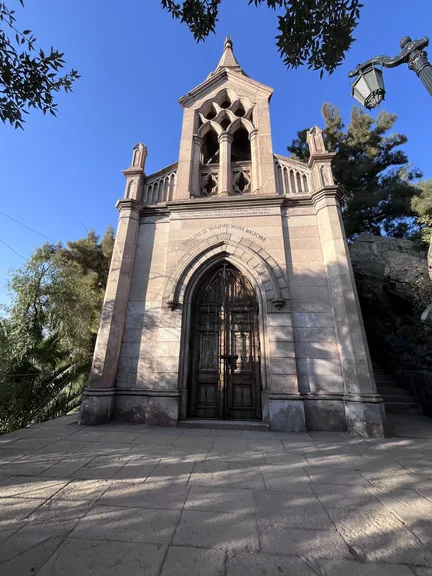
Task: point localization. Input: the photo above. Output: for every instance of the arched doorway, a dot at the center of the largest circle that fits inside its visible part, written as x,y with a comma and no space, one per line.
224,362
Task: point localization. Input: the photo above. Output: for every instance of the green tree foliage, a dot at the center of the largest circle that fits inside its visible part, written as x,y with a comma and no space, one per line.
48,334
421,205
29,78
44,384
374,176
316,33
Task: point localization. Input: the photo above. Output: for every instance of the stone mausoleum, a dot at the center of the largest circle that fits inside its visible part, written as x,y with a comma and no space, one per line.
231,294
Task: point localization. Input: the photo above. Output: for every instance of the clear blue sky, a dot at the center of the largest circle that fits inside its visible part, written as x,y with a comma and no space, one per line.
135,62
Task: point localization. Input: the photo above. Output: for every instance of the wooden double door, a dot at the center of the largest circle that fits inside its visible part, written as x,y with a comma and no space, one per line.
225,372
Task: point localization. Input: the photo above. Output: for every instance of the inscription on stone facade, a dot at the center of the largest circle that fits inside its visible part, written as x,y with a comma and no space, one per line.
219,227
224,213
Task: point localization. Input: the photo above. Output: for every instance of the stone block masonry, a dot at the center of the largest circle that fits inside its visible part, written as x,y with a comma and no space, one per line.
230,294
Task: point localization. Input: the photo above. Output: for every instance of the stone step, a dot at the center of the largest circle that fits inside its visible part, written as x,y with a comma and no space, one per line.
403,408
383,378
386,391
397,398
225,424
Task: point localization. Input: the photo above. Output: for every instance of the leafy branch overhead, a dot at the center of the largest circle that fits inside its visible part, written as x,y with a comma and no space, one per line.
29,78
315,33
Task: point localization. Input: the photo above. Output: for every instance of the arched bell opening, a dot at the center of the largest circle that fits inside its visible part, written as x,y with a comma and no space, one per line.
223,363
210,147
241,146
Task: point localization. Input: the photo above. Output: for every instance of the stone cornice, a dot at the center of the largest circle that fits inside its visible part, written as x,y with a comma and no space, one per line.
219,78
129,204
368,398
154,210
133,171
320,157
344,397
132,391
233,202
326,192
297,200
225,202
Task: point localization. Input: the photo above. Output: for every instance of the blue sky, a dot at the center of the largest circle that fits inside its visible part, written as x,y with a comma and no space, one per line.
135,62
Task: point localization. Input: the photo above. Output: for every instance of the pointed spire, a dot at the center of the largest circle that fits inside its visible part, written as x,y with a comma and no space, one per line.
228,59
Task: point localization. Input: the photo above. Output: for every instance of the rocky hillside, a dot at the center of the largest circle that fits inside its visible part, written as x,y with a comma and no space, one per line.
394,289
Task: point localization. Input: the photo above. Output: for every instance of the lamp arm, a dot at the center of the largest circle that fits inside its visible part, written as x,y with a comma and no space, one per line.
391,61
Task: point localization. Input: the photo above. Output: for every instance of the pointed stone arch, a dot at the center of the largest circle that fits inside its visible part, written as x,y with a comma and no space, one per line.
245,253
247,124
210,125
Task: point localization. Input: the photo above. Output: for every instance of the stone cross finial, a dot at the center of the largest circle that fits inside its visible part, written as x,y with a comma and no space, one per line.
139,156
228,59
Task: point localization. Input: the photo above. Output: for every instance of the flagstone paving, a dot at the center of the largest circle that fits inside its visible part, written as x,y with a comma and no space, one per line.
131,500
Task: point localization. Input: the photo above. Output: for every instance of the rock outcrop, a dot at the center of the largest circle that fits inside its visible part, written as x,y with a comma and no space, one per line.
394,289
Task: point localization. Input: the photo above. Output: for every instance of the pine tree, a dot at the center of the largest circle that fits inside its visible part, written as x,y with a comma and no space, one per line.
374,176
421,205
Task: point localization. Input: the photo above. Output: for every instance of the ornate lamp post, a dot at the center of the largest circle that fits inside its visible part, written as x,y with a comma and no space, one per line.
368,87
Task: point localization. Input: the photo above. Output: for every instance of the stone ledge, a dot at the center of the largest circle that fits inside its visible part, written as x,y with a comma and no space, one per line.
131,391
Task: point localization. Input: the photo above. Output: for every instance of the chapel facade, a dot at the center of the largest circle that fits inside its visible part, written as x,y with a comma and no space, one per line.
231,294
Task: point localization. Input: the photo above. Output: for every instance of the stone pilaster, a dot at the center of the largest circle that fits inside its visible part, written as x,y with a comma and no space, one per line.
261,122
225,171
364,408
98,399
255,162
196,162
184,171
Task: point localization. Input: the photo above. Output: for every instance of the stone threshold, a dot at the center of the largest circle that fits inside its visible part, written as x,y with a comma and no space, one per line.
225,424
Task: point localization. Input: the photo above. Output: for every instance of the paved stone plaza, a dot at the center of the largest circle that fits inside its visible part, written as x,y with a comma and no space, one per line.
132,500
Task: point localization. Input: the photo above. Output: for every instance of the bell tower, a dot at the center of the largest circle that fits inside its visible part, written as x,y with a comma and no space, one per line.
225,147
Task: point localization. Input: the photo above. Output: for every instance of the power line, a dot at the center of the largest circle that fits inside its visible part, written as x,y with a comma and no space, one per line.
28,227
10,248
83,225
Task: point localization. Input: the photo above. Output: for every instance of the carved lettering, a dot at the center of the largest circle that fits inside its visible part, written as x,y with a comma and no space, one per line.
224,213
219,227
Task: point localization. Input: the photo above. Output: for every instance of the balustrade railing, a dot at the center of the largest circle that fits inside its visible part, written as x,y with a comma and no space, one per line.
209,180
240,181
292,177
160,186
241,177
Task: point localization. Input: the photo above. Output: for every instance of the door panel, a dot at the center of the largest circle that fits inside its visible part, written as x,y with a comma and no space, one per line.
225,348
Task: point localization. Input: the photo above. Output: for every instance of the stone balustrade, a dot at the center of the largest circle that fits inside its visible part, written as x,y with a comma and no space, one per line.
160,186
292,176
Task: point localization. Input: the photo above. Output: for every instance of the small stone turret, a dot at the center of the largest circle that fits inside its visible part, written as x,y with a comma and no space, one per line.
135,173
320,160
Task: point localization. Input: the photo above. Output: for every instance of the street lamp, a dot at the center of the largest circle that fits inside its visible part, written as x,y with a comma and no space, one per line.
368,87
